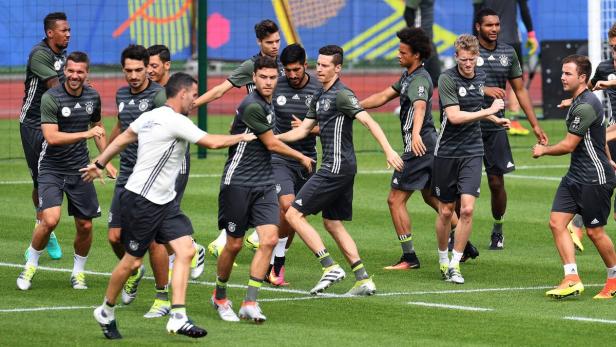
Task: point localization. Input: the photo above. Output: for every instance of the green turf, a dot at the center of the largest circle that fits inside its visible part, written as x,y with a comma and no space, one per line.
510,282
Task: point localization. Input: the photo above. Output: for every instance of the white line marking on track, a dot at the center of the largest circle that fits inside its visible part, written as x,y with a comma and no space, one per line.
594,320
450,307
53,308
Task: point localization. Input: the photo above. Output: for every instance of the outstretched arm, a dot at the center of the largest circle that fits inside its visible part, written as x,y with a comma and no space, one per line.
393,159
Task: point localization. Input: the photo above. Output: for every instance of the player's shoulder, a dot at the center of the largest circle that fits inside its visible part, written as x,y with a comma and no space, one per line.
154,86
606,65
90,92
41,48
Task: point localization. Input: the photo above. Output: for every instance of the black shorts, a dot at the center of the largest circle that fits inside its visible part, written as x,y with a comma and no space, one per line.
452,177
416,174
289,178
182,180
497,157
240,208
32,143
115,212
144,221
327,193
82,199
590,201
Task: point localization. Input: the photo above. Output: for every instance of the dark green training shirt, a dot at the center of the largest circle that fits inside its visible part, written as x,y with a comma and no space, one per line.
130,107
460,140
250,163
242,75
412,87
589,163
606,72
72,114
500,65
335,109
289,102
43,65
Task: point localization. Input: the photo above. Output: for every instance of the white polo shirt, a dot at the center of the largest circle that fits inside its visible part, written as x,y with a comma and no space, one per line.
163,136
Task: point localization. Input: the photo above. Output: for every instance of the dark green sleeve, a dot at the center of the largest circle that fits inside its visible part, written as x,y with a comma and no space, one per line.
414,4
160,98
347,103
478,2
95,117
242,75
312,108
41,65
419,89
255,118
516,70
447,91
583,116
49,109
397,87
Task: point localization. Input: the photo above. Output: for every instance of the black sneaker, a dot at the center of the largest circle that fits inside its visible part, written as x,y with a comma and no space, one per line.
185,327
497,242
470,251
405,263
451,240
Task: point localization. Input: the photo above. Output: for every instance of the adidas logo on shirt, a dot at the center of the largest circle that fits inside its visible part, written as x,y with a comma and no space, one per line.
131,102
471,87
299,202
594,221
395,181
491,57
510,164
295,97
77,106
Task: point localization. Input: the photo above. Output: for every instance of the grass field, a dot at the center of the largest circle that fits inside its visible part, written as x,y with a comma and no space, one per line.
502,303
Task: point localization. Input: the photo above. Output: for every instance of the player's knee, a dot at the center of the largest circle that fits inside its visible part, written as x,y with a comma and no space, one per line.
466,211
594,233
285,205
234,244
331,225
50,222
554,224
393,201
84,225
268,240
292,214
446,212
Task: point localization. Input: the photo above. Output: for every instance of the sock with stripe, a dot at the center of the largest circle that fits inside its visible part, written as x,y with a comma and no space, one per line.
611,272
570,269
221,288
324,258
498,225
359,270
162,293
443,257
178,311
406,242
254,284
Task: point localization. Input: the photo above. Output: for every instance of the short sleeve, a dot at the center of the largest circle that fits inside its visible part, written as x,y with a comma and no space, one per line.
419,89
347,103
138,123
255,118
397,86
49,109
96,114
185,129
41,64
599,75
516,70
160,98
583,116
447,91
312,107
242,75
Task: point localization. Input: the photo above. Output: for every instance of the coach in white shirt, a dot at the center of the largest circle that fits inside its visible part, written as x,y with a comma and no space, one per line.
149,211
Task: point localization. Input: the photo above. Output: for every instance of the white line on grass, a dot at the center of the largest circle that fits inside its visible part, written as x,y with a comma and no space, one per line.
594,320
52,308
373,172
450,307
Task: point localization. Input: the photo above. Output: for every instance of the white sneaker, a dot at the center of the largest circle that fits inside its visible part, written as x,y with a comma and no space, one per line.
129,291
364,287
455,275
24,281
160,308
107,323
225,310
331,275
198,262
252,311
78,281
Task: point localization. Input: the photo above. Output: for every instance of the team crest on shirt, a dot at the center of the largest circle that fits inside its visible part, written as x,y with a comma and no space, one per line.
504,60
480,61
89,107
278,188
481,89
133,245
57,65
66,111
611,77
143,105
269,118
281,100
231,227
121,106
421,91
326,105
404,86
354,101
462,91
308,100
437,190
